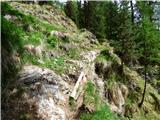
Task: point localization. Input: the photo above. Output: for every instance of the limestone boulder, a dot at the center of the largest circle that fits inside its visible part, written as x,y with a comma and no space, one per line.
42,94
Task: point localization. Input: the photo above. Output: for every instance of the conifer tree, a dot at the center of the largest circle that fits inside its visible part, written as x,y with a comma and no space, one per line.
150,42
71,10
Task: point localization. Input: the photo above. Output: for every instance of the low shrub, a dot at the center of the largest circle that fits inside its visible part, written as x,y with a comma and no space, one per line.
52,40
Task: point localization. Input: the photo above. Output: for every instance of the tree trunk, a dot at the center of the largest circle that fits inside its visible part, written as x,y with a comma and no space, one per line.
145,76
132,12
86,14
145,86
68,9
132,20
151,11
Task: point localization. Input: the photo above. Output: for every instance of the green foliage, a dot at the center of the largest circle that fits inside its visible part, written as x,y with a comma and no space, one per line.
52,40
148,45
28,58
112,79
150,41
94,17
112,20
12,35
12,42
71,10
57,64
34,38
103,113
105,55
72,103
7,9
91,95
73,53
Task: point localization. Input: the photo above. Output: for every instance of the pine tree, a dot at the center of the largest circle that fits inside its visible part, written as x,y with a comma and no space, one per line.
93,17
112,20
150,42
71,10
125,36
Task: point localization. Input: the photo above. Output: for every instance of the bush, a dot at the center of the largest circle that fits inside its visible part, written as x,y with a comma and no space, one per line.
52,40
104,56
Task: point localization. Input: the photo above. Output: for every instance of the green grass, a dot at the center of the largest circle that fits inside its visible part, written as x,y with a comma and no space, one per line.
34,38
104,56
50,27
141,115
56,64
73,53
27,58
26,19
12,35
102,111
12,42
112,79
7,9
91,94
101,58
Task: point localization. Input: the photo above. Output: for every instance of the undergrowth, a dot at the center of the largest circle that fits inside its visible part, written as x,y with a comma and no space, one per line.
91,94
102,111
57,64
112,79
73,53
52,40
12,36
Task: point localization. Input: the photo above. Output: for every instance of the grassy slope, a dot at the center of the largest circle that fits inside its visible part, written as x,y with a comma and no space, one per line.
16,35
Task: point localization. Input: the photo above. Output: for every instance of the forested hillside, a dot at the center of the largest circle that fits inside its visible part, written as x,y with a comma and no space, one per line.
80,60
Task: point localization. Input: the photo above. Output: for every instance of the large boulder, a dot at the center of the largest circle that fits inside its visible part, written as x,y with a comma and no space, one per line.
41,94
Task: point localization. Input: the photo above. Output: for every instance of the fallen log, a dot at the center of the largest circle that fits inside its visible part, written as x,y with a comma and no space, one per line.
79,86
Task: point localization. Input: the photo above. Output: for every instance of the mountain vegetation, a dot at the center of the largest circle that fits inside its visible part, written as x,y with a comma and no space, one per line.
80,60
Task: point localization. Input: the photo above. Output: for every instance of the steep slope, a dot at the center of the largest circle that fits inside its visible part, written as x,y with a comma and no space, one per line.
44,55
